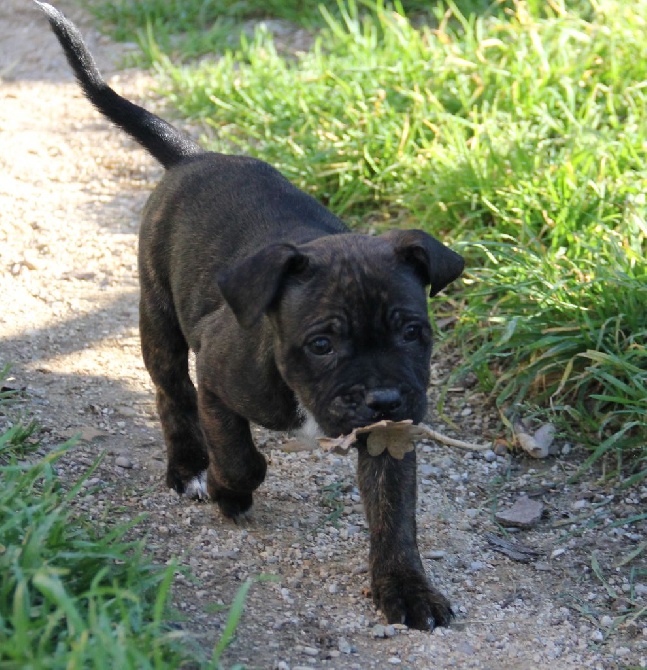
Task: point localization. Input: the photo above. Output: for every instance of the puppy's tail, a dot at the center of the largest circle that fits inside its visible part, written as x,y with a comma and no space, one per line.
166,143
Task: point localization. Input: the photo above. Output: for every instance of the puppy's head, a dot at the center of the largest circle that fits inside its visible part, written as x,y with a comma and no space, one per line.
352,337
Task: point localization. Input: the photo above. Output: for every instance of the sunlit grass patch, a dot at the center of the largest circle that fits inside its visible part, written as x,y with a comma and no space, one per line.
190,28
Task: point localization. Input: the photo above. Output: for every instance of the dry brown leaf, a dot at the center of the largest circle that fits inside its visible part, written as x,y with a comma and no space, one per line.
337,445
398,437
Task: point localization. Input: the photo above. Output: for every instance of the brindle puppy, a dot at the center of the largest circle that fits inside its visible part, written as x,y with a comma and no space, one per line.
293,320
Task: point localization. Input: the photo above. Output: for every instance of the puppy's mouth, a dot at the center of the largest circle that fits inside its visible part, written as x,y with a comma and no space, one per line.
358,407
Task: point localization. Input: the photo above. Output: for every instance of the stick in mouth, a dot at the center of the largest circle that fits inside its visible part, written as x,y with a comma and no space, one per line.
397,437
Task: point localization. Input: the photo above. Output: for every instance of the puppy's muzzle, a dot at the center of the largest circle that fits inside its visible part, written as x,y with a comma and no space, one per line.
360,406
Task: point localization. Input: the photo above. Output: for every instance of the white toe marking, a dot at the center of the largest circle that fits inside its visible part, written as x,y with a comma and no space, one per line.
197,487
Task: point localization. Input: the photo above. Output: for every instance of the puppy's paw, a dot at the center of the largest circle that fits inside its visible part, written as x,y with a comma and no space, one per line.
234,506
234,498
185,484
196,488
408,598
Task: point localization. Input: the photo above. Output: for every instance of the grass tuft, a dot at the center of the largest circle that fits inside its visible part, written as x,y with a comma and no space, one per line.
71,598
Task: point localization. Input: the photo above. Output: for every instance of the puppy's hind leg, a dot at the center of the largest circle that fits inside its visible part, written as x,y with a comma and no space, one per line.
166,355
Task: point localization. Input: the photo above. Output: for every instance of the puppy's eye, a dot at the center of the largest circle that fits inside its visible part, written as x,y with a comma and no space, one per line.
320,346
411,332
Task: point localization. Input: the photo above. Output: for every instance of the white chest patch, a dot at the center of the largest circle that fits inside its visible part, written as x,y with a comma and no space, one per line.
310,430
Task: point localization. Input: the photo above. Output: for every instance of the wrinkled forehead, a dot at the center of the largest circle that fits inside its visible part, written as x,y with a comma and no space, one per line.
358,275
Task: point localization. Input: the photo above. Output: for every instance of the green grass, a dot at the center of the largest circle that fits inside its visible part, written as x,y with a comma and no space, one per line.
186,29
73,595
518,134
70,597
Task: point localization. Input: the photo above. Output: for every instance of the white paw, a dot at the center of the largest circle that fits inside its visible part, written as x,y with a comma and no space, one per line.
196,489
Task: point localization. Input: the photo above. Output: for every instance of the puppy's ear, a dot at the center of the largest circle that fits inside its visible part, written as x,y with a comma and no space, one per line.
250,287
437,265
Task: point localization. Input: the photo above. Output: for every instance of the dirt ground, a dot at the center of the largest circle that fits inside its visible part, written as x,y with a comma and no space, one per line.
71,191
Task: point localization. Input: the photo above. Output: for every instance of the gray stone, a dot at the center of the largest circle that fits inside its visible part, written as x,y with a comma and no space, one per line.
344,646
466,648
525,513
378,630
124,462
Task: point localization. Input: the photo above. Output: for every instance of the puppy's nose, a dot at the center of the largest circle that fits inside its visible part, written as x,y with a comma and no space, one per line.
384,400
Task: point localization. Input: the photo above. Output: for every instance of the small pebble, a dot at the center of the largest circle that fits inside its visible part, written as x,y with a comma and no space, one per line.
352,529
466,648
378,630
344,646
124,462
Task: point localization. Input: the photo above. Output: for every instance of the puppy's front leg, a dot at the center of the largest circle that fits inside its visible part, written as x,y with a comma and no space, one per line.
398,581
236,467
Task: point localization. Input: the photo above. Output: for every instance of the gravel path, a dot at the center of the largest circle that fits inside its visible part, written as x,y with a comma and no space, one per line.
71,191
